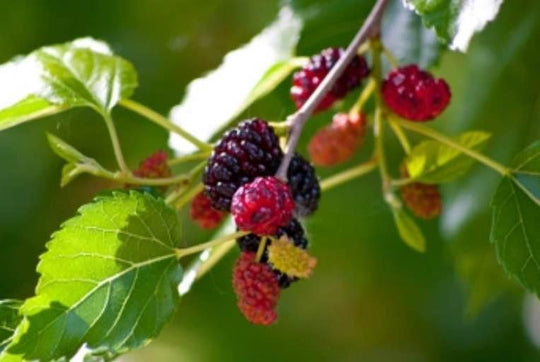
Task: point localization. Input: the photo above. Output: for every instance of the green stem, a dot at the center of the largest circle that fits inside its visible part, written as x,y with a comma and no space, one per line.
216,254
260,250
364,48
401,182
363,98
428,132
181,196
116,144
391,57
163,122
347,175
197,170
180,253
180,199
402,137
152,181
379,148
378,128
201,265
201,155
98,171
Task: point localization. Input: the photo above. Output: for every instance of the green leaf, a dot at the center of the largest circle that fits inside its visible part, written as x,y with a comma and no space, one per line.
409,231
456,21
526,169
52,79
244,76
108,280
434,162
9,319
82,76
421,46
65,150
78,163
272,78
516,213
26,110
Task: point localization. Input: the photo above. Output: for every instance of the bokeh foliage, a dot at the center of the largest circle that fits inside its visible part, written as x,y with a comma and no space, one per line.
371,298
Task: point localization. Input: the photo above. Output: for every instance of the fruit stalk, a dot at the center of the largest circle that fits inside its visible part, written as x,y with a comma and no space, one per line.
297,120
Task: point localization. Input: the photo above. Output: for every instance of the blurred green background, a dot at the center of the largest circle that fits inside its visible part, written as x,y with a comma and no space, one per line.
371,298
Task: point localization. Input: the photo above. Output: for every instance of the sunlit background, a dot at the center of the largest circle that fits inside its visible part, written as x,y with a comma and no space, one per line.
371,298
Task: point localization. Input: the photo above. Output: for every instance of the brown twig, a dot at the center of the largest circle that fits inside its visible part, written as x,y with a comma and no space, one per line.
297,120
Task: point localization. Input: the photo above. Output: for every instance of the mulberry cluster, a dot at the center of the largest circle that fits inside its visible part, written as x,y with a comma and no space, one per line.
239,178
252,150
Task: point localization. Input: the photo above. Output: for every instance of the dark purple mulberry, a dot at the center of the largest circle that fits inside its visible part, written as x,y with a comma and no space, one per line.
244,153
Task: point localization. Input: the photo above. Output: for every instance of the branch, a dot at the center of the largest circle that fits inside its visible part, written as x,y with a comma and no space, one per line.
370,28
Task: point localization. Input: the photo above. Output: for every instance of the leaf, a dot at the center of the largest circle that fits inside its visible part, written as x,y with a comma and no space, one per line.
409,231
407,38
213,101
65,150
526,169
272,78
9,319
80,76
52,79
77,162
434,162
26,110
108,280
455,21
516,213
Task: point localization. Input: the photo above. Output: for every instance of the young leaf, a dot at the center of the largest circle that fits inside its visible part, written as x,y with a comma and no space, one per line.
81,76
65,150
516,212
77,162
455,21
9,319
421,46
217,98
108,280
83,72
434,162
409,231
